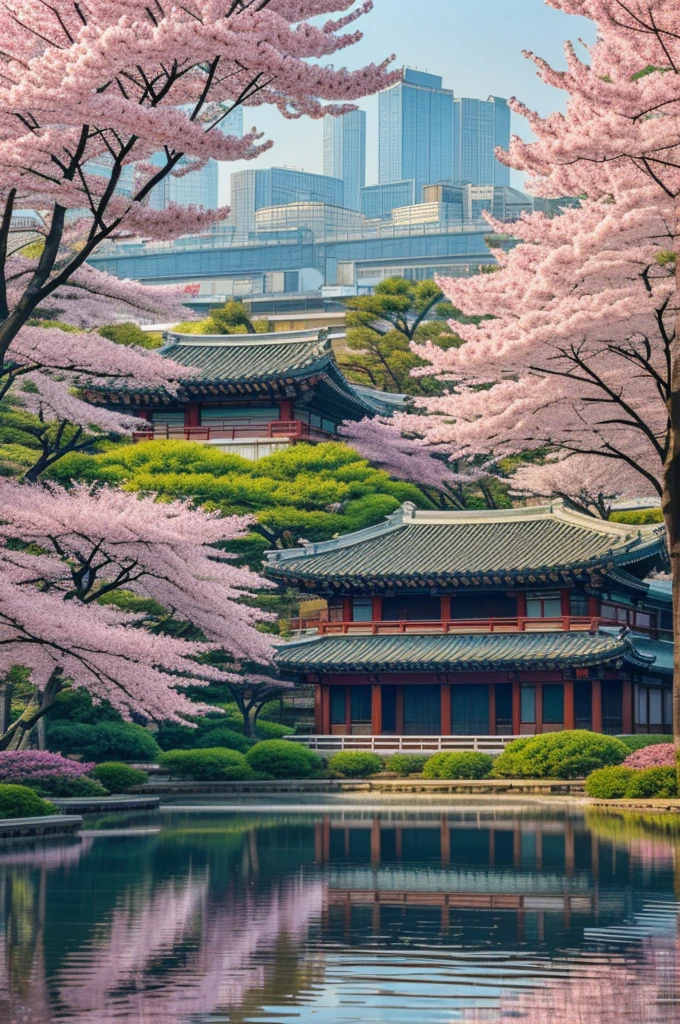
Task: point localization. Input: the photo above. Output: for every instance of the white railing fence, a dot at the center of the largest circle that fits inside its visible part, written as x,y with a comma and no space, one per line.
404,744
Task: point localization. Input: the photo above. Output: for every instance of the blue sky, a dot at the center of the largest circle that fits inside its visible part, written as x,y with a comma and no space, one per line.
476,45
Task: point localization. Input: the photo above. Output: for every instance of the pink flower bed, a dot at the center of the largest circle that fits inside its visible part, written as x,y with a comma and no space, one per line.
659,755
20,765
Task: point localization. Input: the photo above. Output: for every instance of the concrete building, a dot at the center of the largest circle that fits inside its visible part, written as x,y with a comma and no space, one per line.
344,153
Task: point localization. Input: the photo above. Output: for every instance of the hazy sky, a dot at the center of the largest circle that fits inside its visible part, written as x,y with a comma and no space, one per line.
475,45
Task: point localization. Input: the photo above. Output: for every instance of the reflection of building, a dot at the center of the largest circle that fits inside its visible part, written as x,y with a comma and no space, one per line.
344,153
483,623
254,394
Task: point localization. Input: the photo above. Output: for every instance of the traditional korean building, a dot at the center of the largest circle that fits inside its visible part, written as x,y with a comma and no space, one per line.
252,394
484,623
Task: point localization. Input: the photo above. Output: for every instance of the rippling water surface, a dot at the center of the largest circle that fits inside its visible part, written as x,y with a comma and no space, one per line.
209,914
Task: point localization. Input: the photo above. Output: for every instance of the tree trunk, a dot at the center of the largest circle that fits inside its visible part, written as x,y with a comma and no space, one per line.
671,512
5,707
17,735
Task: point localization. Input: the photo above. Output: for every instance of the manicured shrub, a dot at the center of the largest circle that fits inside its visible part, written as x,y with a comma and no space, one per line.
406,764
103,741
224,738
659,755
571,754
458,764
652,782
609,783
25,767
59,785
355,764
118,778
214,764
282,759
638,742
23,802
271,730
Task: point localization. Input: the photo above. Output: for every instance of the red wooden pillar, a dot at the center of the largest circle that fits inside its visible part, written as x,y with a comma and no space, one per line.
539,708
627,708
144,414
376,609
286,409
569,719
597,705
192,414
347,613
593,607
516,708
565,603
376,709
446,709
445,608
325,710
492,709
521,605
318,710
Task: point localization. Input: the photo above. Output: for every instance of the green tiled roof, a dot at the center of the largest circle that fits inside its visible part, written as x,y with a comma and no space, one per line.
527,545
248,357
456,652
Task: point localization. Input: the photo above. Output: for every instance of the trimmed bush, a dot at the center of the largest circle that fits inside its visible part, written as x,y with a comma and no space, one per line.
224,738
638,742
60,785
609,783
23,802
282,759
355,764
659,755
215,764
406,764
458,764
271,730
119,778
570,754
652,782
104,741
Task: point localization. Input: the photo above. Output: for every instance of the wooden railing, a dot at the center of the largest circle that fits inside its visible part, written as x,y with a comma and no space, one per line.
404,744
558,624
226,430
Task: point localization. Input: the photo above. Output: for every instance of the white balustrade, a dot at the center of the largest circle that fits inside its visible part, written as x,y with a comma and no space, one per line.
404,744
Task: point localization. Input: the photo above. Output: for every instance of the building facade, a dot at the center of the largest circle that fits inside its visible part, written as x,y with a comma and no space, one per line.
478,127
415,131
378,201
344,153
252,190
499,623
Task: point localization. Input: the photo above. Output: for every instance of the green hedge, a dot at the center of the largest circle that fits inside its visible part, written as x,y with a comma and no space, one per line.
282,759
619,782
23,802
119,778
355,764
458,764
638,742
406,764
570,754
223,737
267,730
103,741
59,785
609,783
211,765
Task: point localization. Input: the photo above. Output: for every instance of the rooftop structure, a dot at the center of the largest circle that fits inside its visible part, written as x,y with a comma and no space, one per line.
321,220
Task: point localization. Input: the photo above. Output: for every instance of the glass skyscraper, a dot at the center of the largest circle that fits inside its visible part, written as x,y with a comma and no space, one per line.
277,186
378,201
478,127
198,188
416,131
344,153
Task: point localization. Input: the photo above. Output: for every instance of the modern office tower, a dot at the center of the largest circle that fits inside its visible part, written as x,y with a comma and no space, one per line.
198,188
415,131
344,153
378,201
478,127
277,186
321,220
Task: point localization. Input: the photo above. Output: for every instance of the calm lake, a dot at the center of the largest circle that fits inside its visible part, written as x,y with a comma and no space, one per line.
330,916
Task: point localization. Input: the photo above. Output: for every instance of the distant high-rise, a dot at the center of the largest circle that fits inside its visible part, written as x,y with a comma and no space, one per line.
198,188
378,201
277,186
344,153
478,127
416,131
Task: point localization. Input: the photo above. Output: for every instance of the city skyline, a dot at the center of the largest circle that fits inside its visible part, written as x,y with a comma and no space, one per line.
493,66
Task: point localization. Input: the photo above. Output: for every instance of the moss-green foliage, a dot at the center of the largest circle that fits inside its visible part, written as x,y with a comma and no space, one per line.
75,705
608,783
643,517
311,491
571,754
271,730
103,741
652,782
222,737
211,765
131,334
282,759
23,802
406,764
458,764
354,764
638,742
60,785
119,778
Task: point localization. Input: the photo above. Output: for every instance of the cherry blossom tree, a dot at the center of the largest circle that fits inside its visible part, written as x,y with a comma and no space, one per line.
583,481
92,545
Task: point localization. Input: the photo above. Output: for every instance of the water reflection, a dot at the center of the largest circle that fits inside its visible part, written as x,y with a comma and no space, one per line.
390,916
